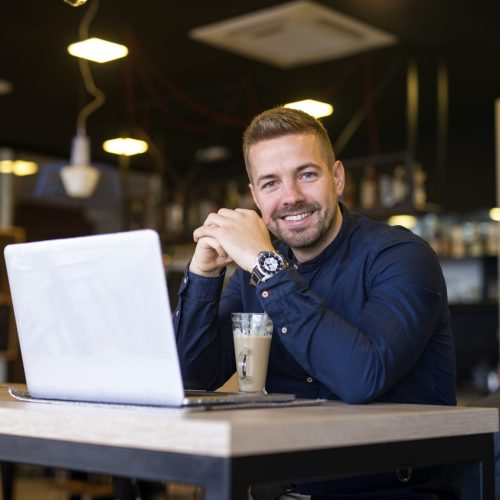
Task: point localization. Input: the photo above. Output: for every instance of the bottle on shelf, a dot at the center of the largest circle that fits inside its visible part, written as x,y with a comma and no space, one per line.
386,194
473,239
399,185
458,248
419,192
368,191
174,215
492,238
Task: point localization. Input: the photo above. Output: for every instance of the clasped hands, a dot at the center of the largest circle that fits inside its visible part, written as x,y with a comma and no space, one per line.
229,236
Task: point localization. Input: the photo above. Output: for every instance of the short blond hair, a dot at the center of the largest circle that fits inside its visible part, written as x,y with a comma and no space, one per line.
281,121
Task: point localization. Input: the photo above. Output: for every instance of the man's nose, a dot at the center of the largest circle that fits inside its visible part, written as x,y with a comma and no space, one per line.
291,193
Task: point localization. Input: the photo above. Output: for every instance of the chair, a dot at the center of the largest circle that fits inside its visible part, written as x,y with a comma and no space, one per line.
493,401
9,348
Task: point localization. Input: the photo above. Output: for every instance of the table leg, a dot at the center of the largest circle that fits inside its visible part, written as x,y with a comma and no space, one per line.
123,489
236,493
7,472
476,481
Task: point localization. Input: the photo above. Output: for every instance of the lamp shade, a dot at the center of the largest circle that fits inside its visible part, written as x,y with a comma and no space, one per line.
79,177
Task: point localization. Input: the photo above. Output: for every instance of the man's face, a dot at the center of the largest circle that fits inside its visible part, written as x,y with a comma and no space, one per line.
296,190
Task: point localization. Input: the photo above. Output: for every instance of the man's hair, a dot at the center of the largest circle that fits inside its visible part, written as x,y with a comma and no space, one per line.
281,121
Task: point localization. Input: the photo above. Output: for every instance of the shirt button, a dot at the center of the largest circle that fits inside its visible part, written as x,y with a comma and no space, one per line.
177,313
284,329
265,294
309,379
185,280
295,266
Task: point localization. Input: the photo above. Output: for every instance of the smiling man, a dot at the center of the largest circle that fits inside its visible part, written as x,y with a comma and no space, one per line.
359,308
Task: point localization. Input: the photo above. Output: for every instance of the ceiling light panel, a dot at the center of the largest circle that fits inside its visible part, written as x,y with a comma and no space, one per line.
97,50
125,146
315,108
293,34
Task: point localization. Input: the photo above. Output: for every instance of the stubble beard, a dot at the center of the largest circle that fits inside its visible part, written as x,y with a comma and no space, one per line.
309,236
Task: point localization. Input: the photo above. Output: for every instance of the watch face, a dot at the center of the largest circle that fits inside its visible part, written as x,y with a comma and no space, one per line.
270,264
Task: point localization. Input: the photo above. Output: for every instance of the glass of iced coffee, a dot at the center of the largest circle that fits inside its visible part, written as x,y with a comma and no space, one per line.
252,334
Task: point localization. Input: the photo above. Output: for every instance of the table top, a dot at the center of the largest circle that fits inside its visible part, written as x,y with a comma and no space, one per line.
240,432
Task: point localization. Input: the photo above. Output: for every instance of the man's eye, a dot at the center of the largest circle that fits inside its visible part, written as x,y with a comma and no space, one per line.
309,175
268,185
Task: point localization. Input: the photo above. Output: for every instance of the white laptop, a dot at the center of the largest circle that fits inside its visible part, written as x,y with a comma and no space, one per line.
95,325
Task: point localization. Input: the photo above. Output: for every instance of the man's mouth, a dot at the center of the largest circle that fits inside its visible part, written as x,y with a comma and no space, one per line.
297,217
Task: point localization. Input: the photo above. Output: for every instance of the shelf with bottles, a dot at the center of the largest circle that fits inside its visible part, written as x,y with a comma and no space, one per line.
383,185
459,236
467,246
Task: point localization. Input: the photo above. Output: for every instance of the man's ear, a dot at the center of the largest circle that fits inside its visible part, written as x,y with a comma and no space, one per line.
252,190
338,177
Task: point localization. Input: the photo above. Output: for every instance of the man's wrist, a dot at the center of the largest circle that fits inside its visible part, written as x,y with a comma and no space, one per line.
267,265
207,274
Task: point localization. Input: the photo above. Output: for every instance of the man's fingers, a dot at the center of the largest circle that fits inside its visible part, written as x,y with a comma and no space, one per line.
204,231
226,217
237,213
208,242
244,211
227,212
212,219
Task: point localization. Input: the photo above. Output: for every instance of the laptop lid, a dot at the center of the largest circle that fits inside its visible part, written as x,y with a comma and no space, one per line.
93,319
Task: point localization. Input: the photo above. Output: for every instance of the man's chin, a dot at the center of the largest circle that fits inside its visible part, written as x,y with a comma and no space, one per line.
297,239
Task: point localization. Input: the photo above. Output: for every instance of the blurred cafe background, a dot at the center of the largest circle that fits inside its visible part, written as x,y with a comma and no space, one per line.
411,91
412,87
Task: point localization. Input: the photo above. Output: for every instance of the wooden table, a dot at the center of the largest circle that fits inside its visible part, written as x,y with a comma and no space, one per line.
225,451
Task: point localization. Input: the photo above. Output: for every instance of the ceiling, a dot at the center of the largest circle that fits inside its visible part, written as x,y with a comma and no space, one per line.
187,96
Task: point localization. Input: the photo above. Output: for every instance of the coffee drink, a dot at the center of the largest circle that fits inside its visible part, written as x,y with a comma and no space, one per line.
252,357
252,334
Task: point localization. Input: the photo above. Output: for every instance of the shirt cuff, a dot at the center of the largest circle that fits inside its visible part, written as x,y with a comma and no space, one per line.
201,287
273,291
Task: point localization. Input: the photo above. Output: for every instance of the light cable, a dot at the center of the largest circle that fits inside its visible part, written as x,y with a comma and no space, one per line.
88,79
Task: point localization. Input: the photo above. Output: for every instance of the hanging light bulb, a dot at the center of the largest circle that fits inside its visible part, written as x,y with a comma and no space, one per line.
79,177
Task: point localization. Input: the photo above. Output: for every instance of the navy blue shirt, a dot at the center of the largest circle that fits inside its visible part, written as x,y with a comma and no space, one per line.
366,320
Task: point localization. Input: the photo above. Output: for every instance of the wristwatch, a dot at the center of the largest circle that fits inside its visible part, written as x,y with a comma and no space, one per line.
268,264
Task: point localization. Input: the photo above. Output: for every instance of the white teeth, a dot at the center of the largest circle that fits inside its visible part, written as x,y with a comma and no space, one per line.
297,217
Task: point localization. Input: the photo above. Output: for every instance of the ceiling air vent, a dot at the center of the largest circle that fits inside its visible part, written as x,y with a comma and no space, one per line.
293,34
